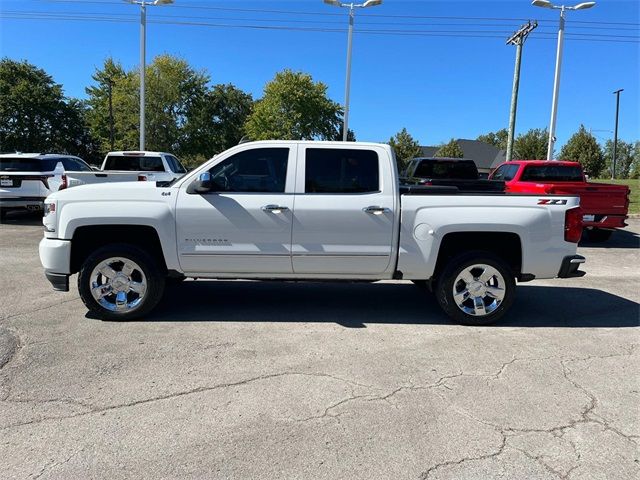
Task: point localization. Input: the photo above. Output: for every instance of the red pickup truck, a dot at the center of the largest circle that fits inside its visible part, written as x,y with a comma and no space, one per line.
604,206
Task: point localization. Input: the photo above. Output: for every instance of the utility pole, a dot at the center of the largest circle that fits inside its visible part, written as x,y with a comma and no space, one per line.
615,134
111,131
516,39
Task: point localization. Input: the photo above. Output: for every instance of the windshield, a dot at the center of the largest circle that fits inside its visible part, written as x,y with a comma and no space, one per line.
18,164
446,169
552,173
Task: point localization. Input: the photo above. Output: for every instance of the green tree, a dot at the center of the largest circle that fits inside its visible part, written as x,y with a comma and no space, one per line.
217,122
634,170
624,158
450,150
583,147
405,146
294,107
497,139
113,103
175,95
36,116
532,145
176,92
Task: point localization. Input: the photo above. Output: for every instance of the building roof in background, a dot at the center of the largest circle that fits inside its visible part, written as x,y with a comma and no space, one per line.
485,156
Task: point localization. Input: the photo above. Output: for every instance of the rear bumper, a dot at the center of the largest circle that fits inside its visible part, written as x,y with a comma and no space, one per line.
605,221
570,265
32,203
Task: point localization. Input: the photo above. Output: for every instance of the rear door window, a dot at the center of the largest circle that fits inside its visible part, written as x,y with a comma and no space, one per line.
341,170
75,165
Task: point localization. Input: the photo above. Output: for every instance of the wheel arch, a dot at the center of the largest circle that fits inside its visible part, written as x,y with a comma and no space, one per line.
505,245
87,239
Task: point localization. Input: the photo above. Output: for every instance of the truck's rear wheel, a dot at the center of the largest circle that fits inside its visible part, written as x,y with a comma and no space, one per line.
120,282
476,288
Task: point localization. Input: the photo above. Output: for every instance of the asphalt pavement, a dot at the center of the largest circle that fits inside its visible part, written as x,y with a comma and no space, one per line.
287,380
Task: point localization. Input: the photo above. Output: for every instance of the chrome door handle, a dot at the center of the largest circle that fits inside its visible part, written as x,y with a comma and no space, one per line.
375,210
274,208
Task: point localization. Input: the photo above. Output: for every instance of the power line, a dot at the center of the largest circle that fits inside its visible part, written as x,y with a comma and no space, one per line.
331,14
425,33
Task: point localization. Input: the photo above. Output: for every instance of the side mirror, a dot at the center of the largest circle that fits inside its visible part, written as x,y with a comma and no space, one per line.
203,184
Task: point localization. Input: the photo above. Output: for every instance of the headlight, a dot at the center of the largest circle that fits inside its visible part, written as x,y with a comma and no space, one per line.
49,207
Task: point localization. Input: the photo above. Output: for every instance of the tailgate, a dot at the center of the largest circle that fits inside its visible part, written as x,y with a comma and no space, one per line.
598,198
22,184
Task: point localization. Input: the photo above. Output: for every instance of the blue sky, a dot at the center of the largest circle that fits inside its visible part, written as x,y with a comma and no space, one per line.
450,82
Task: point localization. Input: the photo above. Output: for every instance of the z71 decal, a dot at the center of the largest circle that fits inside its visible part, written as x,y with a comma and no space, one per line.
552,201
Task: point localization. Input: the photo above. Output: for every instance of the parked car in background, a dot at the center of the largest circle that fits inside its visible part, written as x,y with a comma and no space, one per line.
306,211
604,206
128,166
448,172
27,178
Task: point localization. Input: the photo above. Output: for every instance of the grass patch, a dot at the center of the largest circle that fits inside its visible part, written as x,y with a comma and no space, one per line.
634,185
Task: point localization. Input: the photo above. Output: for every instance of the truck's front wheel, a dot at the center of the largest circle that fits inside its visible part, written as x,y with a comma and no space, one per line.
120,282
476,288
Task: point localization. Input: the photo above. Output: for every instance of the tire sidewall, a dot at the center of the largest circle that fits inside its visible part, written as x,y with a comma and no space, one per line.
155,281
444,288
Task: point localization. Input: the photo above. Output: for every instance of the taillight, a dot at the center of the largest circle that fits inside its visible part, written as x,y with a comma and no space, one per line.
142,178
64,184
573,225
549,189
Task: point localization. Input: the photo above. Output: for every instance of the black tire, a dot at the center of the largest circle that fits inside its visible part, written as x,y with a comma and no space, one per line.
598,235
445,285
154,277
174,281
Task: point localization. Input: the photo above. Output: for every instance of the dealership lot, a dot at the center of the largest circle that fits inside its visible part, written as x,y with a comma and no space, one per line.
309,380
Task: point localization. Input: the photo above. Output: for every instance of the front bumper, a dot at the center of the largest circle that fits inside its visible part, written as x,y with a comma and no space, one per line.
59,281
570,265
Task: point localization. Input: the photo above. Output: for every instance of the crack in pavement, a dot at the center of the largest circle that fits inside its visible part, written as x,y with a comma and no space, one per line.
39,309
425,475
169,396
558,431
51,464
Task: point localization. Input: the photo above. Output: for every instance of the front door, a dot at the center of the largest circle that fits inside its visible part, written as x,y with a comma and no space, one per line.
244,225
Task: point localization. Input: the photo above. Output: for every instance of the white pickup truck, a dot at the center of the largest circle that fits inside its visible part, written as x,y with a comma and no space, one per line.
307,211
129,167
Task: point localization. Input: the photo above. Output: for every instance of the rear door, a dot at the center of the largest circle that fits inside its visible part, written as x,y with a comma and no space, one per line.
244,226
344,210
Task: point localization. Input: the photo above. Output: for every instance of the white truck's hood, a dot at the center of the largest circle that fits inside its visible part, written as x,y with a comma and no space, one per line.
107,191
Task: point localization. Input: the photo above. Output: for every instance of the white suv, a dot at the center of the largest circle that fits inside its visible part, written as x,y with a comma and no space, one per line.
27,178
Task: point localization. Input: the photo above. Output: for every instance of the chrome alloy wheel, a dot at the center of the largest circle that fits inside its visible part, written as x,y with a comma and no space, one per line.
118,284
479,289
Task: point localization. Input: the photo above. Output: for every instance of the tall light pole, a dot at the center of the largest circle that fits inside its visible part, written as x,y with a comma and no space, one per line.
351,7
143,54
615,134
556,81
